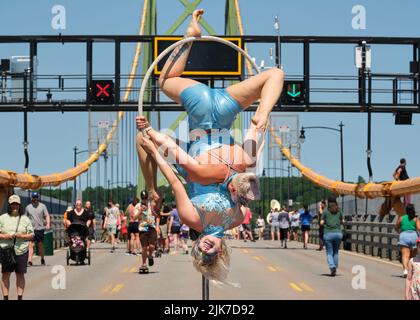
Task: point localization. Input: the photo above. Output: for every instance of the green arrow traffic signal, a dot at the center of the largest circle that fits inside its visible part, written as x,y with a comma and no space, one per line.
293,94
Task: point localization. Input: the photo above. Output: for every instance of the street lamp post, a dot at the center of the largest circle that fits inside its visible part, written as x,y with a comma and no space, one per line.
341,125
278,47
75,163
288,185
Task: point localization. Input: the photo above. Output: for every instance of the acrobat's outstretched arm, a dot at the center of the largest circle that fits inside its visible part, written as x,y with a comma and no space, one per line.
253,146
148,168
197,172
186,210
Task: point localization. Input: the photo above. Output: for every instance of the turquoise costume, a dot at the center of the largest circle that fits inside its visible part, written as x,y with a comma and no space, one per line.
215,110
209,108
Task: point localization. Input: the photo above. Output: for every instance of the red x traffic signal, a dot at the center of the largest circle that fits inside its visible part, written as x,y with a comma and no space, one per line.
102,91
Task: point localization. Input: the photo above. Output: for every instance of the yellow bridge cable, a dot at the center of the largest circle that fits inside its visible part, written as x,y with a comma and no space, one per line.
241,31
363,190
28,181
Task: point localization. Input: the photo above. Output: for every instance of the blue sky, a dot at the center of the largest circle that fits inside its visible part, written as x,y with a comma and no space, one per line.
52,136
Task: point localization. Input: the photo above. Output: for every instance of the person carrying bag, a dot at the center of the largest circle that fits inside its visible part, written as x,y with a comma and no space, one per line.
16,231
7,255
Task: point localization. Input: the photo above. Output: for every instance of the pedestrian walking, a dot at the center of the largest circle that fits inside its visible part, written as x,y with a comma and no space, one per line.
321,208
284,224
332,219
295,223
133,228
400,174
16,232
110,223
306,216
408,226
412,283
260,227
246,223
38,214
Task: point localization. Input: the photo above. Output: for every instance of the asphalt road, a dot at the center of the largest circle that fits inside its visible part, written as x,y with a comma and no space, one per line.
260,270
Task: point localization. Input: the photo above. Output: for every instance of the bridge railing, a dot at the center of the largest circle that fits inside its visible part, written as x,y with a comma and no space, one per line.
366,234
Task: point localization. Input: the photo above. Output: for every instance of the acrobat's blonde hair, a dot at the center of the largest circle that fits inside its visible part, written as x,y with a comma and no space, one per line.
248,185
216,269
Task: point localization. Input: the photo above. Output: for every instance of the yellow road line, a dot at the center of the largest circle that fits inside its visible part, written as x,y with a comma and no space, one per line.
245,251
125,270
256,258
295,287
117,288
306,287
272,269
278,268
133,269
106,289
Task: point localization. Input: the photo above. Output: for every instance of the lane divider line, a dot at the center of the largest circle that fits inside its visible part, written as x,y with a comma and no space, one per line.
256,258
106,289
295,287
125,270
272,269
306,287
117,288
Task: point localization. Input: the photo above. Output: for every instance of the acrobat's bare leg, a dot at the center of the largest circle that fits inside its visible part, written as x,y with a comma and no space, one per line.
266,86
197,172
170,80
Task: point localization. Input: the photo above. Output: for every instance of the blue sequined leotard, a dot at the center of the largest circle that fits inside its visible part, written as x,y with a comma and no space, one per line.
210,109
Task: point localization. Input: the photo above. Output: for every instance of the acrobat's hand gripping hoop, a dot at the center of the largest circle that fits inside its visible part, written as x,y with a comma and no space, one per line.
180,43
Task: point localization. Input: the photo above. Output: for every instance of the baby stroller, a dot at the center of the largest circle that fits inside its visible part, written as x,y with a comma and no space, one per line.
77,234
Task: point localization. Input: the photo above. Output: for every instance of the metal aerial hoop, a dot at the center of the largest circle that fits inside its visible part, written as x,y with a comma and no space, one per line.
180,43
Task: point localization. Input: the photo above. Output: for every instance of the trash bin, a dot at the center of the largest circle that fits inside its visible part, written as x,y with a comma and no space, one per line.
48,243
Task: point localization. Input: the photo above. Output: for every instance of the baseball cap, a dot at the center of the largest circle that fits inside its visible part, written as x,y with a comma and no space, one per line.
332,199
14,199
35,195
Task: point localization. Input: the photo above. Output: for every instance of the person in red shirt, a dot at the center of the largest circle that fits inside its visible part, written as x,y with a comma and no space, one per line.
246,224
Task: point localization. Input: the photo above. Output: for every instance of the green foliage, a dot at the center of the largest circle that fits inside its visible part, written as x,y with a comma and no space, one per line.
360,179
300,190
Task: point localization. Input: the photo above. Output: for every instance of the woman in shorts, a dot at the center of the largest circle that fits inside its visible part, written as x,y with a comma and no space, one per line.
15,232
294,223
